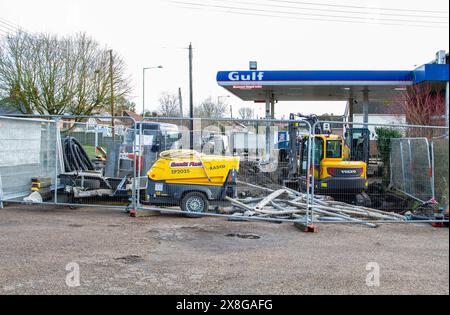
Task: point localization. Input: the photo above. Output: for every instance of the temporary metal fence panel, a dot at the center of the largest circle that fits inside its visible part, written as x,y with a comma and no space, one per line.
28,150
401,175
259,145
440,149
69,165
411,168
100,161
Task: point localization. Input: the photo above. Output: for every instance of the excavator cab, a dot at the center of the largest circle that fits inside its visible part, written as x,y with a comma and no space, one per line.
332,174
338,172
358,142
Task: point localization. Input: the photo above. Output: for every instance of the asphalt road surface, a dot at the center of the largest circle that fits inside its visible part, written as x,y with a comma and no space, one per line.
117,254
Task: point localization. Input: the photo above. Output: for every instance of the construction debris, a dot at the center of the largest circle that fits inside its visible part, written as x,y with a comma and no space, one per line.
260,206
286,203
42,185
35,197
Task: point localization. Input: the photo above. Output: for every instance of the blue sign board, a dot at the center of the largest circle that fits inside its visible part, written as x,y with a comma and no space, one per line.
430,72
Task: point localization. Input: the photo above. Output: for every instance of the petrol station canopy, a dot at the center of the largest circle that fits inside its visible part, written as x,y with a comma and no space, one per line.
324,85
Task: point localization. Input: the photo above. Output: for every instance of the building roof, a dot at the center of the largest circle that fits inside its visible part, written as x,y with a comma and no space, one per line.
234,124
380,108
131,114
105,119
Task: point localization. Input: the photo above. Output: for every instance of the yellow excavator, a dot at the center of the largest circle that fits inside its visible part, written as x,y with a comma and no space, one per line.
334,173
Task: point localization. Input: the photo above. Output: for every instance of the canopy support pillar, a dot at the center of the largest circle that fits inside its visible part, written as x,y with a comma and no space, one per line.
366,107
270,107
351,104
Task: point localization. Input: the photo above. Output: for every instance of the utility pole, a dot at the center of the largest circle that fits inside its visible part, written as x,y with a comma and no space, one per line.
111,74
191,99
180,100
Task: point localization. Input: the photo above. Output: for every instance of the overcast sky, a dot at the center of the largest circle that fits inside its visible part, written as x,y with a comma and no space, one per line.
302,36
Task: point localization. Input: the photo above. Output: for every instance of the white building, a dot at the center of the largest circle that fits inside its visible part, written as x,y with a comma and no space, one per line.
379,113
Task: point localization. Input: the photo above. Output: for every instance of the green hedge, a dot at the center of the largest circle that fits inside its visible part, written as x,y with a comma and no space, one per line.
384,136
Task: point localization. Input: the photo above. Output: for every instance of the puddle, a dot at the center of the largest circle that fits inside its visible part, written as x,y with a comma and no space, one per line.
76,225
131,259
245,236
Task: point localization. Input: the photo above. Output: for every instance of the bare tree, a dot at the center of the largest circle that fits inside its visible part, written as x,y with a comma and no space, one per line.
169,105
46,74
210,109
246,113
423,106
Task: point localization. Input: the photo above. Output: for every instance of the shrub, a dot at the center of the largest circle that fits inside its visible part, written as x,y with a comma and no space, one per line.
384,136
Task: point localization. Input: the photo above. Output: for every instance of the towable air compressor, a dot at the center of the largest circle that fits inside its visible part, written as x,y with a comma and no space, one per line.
192,180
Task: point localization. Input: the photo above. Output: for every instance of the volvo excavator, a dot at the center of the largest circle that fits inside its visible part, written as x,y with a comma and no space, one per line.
337,172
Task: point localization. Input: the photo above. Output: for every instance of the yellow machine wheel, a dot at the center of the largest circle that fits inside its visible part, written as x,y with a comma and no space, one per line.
194,203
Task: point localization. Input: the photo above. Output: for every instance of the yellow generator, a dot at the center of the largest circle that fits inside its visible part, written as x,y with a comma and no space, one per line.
192,180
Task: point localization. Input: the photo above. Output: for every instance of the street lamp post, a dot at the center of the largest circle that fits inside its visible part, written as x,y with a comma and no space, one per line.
143,86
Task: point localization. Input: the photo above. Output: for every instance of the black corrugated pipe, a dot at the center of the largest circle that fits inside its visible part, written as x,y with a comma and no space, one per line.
75,157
